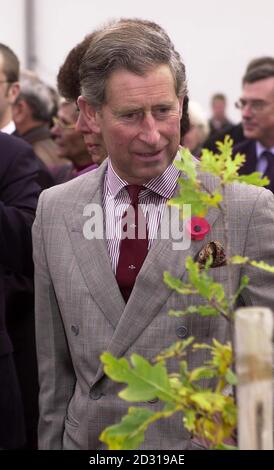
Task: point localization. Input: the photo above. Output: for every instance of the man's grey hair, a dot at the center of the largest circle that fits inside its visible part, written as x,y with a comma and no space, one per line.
37,95
133,44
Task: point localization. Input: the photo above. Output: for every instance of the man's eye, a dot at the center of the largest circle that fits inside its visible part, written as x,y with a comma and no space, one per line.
161,112
130,116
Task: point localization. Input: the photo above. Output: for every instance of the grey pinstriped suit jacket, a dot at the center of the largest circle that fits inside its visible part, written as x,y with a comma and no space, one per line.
80,312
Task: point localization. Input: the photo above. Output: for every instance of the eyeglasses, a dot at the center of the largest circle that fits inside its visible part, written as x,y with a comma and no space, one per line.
58,122
256,106
5,81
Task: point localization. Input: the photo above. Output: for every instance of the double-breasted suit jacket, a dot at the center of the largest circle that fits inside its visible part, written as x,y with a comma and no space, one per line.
80,311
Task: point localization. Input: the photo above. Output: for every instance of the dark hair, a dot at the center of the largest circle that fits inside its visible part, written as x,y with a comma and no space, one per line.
10,63
259,72
132,44
259,62
68,81
185,122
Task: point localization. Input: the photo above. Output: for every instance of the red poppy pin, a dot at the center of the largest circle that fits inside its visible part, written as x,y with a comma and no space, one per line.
198,227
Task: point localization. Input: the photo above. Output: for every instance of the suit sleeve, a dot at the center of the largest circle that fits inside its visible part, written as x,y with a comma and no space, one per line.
260,247
56,374
18,199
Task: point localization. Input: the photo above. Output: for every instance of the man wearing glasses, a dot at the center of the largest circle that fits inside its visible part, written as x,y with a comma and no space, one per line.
9,87
257,109
71,145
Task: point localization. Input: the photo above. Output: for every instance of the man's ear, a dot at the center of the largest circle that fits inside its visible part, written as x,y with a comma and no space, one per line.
19,111
13,92
90,114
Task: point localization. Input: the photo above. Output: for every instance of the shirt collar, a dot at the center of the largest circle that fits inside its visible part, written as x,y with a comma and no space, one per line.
164,185
260,149
9,128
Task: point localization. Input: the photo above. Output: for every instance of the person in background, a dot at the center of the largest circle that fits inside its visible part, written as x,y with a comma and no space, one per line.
219,121
235,131
18,199
70,144
199,129
257,109
68,82
17,285
9,87
32,114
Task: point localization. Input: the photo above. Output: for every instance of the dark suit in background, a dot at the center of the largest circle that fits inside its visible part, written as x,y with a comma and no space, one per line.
248,148
18,198
235,131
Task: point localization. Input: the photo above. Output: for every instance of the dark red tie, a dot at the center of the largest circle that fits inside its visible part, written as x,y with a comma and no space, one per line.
134,246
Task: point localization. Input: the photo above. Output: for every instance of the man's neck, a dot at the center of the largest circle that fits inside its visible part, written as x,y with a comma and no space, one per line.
5,119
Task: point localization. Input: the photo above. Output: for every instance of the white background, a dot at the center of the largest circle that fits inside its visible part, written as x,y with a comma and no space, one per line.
216,38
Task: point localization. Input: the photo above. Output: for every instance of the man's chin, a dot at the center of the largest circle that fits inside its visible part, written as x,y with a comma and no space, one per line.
250,133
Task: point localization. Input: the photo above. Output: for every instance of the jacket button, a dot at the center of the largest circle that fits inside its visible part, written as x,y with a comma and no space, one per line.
95,394
181,331
75,330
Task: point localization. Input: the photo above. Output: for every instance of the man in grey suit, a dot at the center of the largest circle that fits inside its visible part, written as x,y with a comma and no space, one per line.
133,86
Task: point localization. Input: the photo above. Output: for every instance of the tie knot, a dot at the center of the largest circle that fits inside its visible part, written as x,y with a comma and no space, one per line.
133,191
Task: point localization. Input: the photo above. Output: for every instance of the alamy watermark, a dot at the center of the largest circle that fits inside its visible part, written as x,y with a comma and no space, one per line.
119,223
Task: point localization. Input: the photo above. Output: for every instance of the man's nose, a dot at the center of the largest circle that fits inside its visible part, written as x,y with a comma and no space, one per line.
247,111
55,130
149,130
81,125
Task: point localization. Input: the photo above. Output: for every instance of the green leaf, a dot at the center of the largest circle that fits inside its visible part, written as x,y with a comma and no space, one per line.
213,199
253,178
211,163
238,259
207,310
225,147
223,446
177,313
129,433
145,381
201,346
177,285
189,419
187,164
203,310
256,264
230,377
232,168
190,194
208,401
176,349
244,282
205,285
201,373
262,265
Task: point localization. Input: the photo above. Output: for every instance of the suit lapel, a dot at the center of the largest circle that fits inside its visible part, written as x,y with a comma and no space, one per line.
93,258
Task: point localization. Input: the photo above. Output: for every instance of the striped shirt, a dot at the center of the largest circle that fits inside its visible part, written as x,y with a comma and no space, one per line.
152,201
